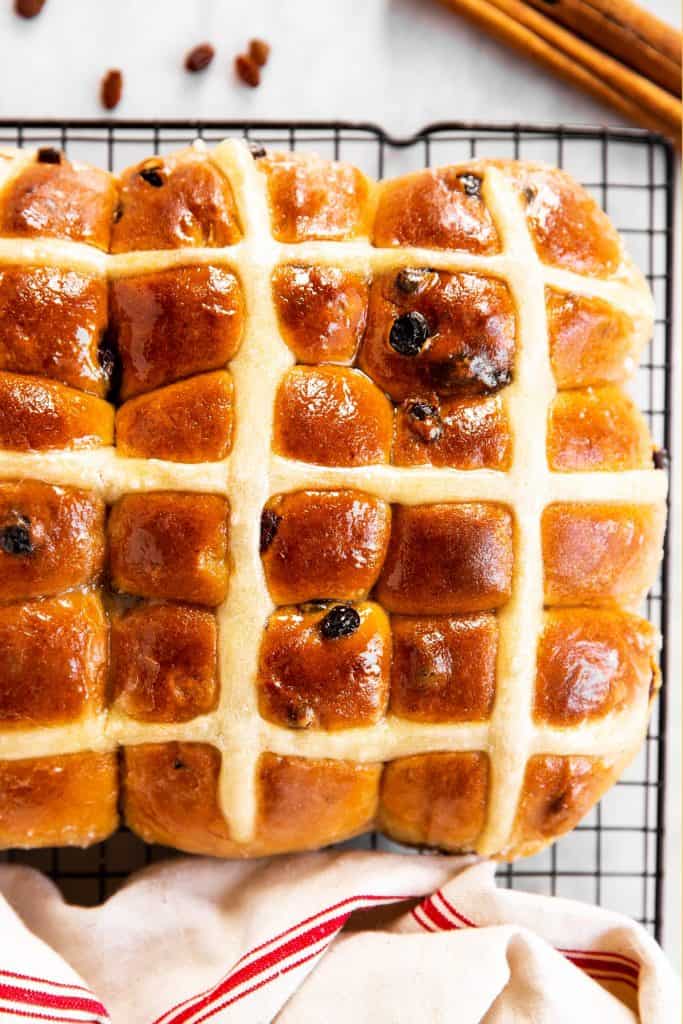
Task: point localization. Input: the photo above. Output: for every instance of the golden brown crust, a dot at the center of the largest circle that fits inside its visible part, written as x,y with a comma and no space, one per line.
470,328
62,200
600,554
170,545
173,323
68,800
591,663
556,794
322,311
331,416
174,202
53,657
597,429
444,669
163,663
448,699
309,679
169,797
41,415
435,799
591,342
305,803
190,421
463,433
51,539
567,225
323,544
310,198
445,559
433,210
51,322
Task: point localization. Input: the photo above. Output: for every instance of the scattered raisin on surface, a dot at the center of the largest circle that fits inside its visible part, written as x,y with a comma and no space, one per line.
408,334
15,539
529,194
178,764
112,89
424,420
340,621
247,70
28,8
199,57
269,524
259,51
471,184
257,150
409,279
152,175
48,155
660,457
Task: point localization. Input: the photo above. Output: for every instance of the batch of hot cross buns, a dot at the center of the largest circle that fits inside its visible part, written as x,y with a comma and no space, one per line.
324,506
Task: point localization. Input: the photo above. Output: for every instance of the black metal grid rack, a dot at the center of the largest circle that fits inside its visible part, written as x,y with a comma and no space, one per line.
615,857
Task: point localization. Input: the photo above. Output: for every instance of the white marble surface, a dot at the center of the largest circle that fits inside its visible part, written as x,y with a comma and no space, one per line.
400,63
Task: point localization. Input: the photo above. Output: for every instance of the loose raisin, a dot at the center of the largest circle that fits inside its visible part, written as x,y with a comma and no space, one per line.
259,51
199,57
269,525
247,70
111,89
28,8
529,194
257,150
15,539
340,621
471,184
408,334
48,155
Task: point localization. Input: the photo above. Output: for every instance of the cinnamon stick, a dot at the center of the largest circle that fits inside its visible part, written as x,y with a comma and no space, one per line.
626,31
534,35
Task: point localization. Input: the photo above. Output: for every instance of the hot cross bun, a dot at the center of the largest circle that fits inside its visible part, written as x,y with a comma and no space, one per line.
323,506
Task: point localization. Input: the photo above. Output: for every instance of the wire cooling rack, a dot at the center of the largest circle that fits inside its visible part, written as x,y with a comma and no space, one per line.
615,857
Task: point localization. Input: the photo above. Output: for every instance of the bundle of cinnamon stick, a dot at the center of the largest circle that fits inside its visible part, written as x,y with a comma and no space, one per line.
615,49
